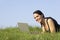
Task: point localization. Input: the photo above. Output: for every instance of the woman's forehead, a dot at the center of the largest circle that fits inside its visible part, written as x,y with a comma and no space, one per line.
36,14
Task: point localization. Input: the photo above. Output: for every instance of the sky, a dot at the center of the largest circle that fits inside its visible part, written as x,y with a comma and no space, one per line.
14,11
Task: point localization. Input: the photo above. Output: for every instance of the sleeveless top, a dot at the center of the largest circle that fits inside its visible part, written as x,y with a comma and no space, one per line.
57,26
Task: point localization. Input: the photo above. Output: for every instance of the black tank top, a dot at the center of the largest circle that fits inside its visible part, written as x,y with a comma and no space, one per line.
57,26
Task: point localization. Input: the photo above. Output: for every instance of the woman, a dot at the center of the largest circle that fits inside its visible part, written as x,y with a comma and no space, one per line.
48,24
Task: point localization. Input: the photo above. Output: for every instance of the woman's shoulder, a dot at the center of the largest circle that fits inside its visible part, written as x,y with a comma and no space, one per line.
51,19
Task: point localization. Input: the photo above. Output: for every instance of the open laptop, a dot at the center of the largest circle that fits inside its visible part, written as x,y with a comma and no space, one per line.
23,27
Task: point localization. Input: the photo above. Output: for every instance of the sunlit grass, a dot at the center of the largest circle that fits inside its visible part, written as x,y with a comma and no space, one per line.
16,34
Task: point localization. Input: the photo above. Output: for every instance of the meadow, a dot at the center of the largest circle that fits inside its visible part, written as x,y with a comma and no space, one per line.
14,33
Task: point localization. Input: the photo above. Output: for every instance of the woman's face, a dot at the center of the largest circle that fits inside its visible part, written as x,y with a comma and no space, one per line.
38,17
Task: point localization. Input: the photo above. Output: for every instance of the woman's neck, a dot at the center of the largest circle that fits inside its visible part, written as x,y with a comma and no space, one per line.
43,22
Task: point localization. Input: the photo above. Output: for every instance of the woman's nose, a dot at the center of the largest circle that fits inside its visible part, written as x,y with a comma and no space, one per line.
36,19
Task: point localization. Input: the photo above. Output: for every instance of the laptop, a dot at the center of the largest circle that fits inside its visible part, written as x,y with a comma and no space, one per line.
23,27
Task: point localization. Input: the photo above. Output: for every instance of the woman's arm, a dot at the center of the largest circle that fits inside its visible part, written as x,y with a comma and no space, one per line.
43,29
51,25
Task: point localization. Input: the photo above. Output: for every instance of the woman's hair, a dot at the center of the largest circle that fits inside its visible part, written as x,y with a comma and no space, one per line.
38,12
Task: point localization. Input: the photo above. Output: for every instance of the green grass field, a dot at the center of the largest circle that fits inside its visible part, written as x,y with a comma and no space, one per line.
16,34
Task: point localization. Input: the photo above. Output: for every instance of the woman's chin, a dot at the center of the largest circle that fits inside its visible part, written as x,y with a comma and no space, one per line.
39,22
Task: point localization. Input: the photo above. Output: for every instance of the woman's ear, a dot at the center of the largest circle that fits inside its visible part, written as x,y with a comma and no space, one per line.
43,16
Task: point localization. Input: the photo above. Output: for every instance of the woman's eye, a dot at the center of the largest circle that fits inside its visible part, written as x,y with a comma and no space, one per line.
36,16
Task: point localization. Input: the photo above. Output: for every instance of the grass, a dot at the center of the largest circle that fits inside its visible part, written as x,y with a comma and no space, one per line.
16,34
